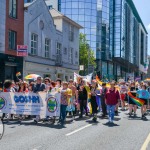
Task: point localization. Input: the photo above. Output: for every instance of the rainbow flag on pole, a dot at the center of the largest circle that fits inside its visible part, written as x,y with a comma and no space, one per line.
18,74
136,100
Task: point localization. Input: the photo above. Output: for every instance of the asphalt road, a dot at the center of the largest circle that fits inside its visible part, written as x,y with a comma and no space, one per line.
126,134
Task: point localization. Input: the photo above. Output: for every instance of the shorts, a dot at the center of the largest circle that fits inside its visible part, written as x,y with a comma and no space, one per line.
122,97
145,101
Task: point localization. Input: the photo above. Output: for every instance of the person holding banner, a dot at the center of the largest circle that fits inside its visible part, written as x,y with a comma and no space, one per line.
8,88
38,87
66,94
144,95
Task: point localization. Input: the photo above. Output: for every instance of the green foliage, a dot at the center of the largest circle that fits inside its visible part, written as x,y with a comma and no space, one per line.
85,52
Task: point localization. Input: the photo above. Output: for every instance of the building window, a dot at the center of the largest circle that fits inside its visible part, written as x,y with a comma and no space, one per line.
58,48
71,33
76,54
71,56
65,50
47,48
34,44
50,7
12,39
13,8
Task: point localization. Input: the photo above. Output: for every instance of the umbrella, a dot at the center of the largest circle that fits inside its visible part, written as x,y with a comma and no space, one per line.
148,79
31,76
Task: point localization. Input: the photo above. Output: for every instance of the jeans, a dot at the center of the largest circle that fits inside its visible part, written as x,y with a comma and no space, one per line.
111,111
62,113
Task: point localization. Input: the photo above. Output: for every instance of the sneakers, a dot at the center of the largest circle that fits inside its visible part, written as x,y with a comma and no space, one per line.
143,117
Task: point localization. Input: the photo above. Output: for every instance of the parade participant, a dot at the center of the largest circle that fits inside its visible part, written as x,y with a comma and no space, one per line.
144,95
47,82
66,93
53,87
30,87
123,94
8,88
102,95
23,87
71,107
132,105
82,98
112,98
94,92
38,87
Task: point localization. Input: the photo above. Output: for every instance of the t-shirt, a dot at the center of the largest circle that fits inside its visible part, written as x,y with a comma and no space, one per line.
64,98
39,87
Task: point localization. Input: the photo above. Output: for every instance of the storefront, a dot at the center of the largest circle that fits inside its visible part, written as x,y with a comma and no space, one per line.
9,66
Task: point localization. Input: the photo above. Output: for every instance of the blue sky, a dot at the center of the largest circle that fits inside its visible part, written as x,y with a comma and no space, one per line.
143,7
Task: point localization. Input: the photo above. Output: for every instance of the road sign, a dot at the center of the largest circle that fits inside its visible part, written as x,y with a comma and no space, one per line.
22,50
81,67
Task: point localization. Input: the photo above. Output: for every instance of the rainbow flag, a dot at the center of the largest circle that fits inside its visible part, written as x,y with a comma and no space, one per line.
18,74
100,82
136,100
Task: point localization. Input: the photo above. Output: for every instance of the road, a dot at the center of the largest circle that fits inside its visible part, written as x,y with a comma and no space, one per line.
82,134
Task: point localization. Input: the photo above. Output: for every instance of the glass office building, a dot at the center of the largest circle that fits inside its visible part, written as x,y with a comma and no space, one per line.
93,15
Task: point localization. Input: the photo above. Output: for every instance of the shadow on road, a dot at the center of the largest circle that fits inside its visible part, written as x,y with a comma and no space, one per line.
111,124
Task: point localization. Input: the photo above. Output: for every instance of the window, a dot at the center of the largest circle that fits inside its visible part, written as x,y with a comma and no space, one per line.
47,48
58,49
13,8
71,56
76,54
71,33
12,39
65,50
34,44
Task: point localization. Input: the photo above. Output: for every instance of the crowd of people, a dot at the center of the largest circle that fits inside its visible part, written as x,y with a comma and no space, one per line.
79,98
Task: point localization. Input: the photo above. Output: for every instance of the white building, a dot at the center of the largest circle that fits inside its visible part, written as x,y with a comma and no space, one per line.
53,50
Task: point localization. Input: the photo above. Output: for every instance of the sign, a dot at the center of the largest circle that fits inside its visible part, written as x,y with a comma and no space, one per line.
81,67
42,104
22,50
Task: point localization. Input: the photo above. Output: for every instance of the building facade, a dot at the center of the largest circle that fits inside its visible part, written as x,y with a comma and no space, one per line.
115,31
93,15
50,3
11,35
128,40
51,49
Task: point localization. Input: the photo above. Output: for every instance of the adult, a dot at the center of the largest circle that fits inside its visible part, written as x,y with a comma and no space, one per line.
66,93
71,106
143,94
132,105
103,104
38,87
112,98
94,92
123,94
47,82
82,98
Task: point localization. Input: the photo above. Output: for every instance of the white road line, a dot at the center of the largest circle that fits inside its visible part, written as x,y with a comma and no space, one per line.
78,129
144,146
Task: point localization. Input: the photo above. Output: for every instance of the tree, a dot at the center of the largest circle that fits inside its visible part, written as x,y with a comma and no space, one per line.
85,53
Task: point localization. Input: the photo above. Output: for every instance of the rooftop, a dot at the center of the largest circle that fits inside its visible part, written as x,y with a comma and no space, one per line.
57,14
135,12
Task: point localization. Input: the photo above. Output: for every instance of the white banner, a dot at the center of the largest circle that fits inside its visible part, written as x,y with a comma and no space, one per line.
42,104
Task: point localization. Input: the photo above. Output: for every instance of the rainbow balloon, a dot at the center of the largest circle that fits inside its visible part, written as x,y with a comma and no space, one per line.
136,100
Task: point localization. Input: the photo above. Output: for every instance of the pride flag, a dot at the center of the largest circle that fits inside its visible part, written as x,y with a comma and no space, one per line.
18,74
136,100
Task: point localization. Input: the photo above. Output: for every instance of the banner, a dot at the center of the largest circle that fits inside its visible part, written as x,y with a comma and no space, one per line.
42,104
87,78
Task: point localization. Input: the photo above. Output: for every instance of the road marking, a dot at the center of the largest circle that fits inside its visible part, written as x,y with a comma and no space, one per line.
75,131
144,146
